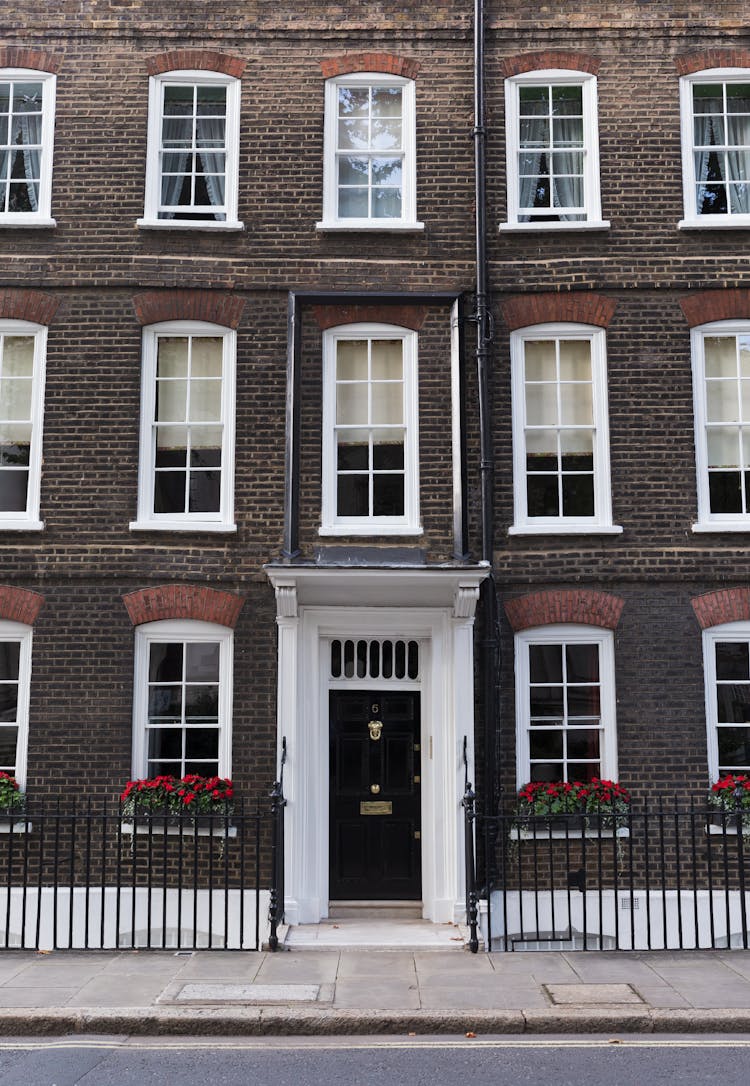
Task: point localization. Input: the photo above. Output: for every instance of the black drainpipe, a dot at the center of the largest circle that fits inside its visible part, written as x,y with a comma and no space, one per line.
489,643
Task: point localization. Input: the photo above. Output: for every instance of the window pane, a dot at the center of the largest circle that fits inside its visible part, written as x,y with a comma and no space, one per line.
534,100
577,495
13,491
165,703
15,398
387,452
351,360
172,356
18,356
165,743
201,704
206,358
386,101
10,655
725,491
204,492
353,170
387,360
576,404
567,101
8,749
543,496
353,134
8,701
386,135
577,450
545,744
387,171
171,401
387,403
202,743
575,360
583,743
351,404
708,98
734,746
353,496
386,203
541,405
547,701
202,661
582,663
580,771
353,451
354,203
723,447
205,401
540,360
542,450
545,663
388,495
733,661
165,662
583,701
733,702
354,101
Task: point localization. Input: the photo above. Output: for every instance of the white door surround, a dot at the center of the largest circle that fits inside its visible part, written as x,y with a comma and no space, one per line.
432,606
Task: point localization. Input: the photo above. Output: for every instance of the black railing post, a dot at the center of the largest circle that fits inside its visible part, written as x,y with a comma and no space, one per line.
738,794
470,814
276,904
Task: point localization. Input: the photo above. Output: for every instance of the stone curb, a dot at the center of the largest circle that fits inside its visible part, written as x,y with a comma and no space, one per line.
294,1021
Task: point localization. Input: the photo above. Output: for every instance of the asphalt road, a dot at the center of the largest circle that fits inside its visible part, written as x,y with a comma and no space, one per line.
418,1061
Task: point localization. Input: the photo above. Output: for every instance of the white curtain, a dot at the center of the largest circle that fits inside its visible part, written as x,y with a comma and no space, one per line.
566,191
211,130
30,125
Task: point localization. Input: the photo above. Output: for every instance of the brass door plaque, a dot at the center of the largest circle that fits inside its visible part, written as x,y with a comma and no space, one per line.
375,807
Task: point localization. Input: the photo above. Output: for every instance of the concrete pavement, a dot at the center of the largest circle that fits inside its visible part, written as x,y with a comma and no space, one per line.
372,992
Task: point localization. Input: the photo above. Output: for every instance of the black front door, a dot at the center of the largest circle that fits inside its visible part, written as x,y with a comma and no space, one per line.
375,851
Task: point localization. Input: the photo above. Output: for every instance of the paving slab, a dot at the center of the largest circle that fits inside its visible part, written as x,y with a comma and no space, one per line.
386,963
481,998
128,990
581,995
661,996
377,996
36,997
313,968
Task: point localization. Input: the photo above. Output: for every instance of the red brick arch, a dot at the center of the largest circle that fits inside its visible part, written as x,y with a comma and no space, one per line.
550,60
688,63
726,605
183,601
405,316
189,305
581,307
19,604
14,56
188,60
716,305
17,304
387,63
582,606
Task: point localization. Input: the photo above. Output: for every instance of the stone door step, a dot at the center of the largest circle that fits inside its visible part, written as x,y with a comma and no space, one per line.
375,910
373,934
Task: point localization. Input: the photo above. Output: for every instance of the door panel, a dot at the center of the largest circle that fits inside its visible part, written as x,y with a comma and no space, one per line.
375,850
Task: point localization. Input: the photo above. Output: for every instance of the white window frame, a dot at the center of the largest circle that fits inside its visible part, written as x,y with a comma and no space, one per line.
555,635
601,522
188,630
156,85
223,520
591,182
408,218
29,521
692,220
408,524
42,217
708,521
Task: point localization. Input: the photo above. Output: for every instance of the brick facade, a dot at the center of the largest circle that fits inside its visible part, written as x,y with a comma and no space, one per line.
183,601
103,279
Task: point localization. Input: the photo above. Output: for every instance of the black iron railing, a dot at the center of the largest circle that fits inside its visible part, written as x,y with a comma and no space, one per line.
276,905
90,877
660,876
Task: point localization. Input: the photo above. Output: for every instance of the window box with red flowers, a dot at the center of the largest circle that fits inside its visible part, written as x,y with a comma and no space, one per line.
571,809
12,806
730,798
178,805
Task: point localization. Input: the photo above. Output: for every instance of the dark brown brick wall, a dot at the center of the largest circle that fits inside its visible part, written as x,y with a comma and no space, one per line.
96,262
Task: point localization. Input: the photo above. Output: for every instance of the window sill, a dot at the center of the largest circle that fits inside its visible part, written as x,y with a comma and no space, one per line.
180,526
19,222
518,834
545,227
379,226
21,526
371,529
734,222
722,526
182,224
565,529
185,830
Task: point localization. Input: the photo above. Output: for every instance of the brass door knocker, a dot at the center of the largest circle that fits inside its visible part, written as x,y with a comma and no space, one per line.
375,727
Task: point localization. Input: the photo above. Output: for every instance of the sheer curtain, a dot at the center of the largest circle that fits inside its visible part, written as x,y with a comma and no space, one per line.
30,128
567,191
211,149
